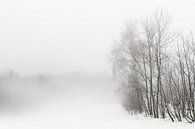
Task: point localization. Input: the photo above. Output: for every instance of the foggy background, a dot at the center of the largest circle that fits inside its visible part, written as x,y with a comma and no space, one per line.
57,36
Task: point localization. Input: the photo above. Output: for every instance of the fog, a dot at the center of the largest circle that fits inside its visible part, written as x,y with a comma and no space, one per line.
59,36
29,93
55,69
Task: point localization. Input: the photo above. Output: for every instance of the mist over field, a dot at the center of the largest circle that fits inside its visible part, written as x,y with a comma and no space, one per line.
19,93
58,101
74,100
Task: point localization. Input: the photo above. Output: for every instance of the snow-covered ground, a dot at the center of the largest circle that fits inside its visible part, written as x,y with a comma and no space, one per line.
81,104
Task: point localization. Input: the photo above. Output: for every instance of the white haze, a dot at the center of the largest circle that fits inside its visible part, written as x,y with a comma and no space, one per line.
57,36
66,102
61,49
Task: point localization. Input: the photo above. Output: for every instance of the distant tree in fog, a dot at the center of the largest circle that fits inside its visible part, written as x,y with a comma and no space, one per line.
43,78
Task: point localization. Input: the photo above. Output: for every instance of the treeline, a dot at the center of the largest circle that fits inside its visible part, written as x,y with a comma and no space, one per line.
156,68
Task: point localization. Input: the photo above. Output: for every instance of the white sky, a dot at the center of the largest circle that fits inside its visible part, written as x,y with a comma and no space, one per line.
57,36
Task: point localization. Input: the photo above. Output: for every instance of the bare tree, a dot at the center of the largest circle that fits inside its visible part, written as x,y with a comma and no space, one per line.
154,80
